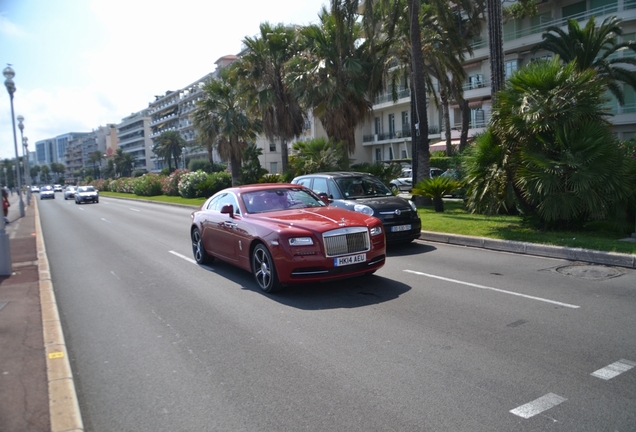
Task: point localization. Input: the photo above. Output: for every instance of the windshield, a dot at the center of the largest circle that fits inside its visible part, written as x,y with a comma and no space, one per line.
86,189
362,187
279,199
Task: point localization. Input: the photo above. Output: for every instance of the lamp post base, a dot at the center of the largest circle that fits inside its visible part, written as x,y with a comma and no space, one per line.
5,252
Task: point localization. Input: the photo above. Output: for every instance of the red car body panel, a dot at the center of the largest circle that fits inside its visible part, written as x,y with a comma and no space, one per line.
232,238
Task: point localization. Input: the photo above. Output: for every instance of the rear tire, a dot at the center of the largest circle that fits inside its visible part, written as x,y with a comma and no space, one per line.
395,189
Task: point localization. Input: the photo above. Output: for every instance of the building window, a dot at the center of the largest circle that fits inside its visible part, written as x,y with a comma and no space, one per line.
272,146
273,167
377,125
378,155
511,67
392,124
573,9
405,119
476,81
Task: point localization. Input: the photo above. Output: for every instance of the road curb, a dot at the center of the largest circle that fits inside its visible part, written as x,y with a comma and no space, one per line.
570,254
63,404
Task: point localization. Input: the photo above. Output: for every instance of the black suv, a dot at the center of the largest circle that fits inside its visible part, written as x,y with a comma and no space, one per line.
366,194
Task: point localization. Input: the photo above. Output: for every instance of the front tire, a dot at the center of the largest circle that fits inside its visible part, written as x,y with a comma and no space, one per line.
264,270
200,255
395,189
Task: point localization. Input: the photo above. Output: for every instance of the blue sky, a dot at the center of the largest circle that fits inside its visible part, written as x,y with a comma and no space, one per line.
80,64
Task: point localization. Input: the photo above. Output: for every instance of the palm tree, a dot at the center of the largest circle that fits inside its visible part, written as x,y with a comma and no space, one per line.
594,48
224,113
549,149
263,69
124,163
340,69
169,147
96,157
318,155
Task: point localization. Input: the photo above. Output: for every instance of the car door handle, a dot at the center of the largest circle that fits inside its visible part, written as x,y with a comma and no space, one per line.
229,224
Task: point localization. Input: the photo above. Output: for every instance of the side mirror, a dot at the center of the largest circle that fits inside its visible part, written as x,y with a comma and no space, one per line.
228,209
324,197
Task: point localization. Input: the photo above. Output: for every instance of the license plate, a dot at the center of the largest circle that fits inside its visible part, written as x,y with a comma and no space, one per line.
348,260
401,228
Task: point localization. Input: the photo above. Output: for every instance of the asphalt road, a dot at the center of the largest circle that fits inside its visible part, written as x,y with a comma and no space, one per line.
443,338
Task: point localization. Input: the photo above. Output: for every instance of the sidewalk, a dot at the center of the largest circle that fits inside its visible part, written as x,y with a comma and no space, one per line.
36,385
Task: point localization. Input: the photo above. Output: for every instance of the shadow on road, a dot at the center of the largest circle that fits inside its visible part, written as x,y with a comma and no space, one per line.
408,249
345,293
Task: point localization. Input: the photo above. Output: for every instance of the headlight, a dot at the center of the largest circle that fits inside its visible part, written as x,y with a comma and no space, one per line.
413,206
375,231
364,209
301,241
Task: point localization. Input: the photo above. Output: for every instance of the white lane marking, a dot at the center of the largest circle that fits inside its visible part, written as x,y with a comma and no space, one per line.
106,220
113,273
183,257
538,405
494,289
133,209
614,370
81,208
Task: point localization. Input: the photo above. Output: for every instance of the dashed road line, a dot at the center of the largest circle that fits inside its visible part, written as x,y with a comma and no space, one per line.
537,406
614,370
495,289
134,209
190,260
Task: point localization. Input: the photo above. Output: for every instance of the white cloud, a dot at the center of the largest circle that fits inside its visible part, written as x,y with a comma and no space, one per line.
111,57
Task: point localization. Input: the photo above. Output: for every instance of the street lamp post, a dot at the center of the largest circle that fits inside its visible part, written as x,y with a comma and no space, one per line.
28,176
10,85
25,154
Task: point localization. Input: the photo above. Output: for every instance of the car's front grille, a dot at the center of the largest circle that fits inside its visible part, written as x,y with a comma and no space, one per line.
345,241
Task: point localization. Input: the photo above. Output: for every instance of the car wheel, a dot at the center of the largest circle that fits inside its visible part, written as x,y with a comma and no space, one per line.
96,200
395,189
200,255
264,269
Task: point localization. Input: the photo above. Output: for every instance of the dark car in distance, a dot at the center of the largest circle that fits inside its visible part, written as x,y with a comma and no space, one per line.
285,234
365,193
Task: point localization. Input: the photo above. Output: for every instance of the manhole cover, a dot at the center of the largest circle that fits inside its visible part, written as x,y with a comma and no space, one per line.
590,272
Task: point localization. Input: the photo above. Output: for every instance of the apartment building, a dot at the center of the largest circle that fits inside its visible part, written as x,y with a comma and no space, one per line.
387,135
133,136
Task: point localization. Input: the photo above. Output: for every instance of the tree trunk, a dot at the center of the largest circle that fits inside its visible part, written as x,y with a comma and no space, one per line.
495,39
463,140
422,169
447,124
284,153
235,168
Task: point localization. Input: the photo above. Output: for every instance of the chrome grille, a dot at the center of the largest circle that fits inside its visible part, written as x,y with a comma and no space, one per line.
345,241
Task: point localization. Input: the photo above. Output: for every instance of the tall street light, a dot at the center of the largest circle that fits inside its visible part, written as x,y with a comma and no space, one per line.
25,154
10,85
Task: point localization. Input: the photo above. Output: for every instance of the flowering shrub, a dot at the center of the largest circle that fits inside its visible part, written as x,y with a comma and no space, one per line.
189,184
200,184
170,184
122,184
147,185
101,185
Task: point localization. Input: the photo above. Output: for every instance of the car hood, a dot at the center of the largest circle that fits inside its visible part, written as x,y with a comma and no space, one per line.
380,203
88,193
316,219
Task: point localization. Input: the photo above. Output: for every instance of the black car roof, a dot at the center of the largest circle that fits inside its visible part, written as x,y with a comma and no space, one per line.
338,174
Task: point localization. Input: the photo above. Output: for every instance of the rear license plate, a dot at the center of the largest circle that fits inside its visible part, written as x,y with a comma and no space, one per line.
401,228
348,260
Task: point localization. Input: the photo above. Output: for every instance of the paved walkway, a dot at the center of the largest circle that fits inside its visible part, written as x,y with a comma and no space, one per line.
37,393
